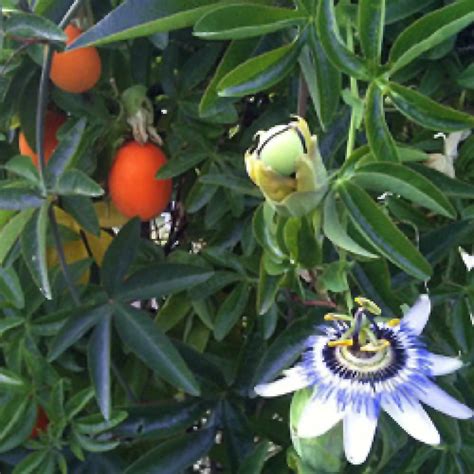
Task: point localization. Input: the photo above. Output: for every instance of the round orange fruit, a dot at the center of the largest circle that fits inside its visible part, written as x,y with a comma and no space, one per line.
134,190
78,70
53,122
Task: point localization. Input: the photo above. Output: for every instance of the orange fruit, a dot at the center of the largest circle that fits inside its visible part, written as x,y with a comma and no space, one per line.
54,120
76,71
42,422
134,190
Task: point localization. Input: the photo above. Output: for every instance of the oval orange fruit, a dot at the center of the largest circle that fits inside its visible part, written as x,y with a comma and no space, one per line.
53,122
78,70
134,190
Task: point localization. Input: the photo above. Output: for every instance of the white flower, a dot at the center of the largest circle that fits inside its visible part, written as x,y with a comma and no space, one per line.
352,384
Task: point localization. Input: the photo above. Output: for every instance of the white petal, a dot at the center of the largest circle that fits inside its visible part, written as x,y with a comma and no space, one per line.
441,401
293,380
467,259
417,316
414,420
318,417
359,431
442,365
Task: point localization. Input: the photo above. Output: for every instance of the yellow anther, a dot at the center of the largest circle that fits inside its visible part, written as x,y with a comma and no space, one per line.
337,317
380,345
369,305
341,343
394,322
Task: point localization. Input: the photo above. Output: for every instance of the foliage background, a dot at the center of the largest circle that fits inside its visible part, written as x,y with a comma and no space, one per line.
228,291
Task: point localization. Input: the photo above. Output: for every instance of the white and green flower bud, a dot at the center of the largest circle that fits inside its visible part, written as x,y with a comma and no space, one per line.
285,164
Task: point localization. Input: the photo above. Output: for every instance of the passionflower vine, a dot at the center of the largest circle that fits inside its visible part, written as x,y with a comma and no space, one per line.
363,364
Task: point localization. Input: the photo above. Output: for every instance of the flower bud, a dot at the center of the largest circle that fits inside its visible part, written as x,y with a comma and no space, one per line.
285,164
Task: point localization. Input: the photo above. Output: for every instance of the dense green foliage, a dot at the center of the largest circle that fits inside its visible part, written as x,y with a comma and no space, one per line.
225,291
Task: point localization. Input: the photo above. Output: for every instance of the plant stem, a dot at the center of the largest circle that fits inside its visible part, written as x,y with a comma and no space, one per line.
355,93
62,257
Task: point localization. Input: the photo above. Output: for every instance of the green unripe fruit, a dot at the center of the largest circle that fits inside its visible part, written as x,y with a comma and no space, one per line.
280,147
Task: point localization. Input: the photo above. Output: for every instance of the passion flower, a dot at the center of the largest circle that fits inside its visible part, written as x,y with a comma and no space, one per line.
359,366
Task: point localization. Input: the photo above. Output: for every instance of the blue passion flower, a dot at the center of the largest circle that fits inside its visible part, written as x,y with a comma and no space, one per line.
361,365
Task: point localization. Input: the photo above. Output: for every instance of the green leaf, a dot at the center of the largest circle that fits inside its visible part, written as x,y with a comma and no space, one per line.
78,402
17,418
120,255
24,26
10,288
381,232
399,9
267,289
161,419
95,424
426,112
328,81
226,180
17,199
140,334
449,186
79,322
175,455
244,21
10,323
98,361
11,231
264,230
253,462
172,311
399,179
82,210
466,78
328,32
260,72
93,445
286,348
231,310
161,279
31,463
429,31
237,52
380,140
180,164
135,18
335,231
77,183
9,380
23,166
64,152
371,26
33,247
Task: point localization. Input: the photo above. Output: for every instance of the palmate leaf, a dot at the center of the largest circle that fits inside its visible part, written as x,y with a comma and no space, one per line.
143,337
